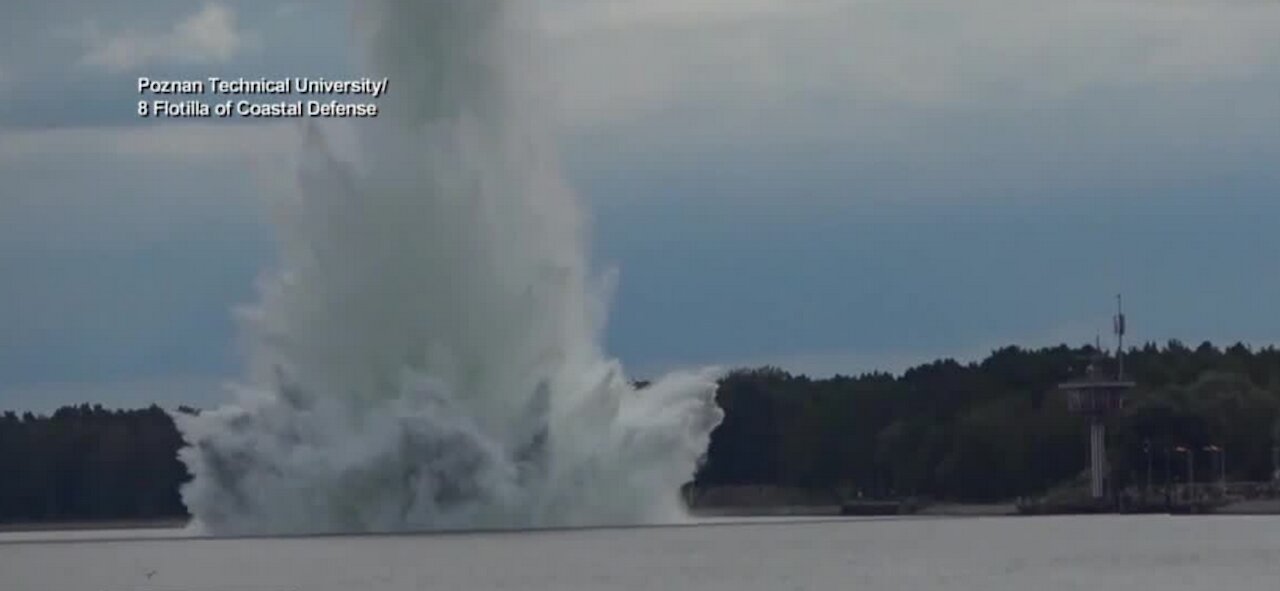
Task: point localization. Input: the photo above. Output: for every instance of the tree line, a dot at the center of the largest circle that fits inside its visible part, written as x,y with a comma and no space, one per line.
990,430
89,463
999,428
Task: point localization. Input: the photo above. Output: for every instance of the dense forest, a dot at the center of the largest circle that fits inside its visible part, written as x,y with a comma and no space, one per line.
89,463
995,429
990,430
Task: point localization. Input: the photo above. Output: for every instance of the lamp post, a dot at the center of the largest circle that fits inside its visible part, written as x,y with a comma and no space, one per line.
1222,465
1146,449
1275,456
1168,475
1191,471
1275,463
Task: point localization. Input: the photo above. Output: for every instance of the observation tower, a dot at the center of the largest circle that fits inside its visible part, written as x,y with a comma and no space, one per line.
1098,395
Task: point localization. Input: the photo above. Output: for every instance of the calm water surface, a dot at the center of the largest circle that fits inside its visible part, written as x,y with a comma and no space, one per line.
981,554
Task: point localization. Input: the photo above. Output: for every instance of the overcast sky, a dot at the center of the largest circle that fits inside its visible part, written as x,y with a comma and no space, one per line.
826,185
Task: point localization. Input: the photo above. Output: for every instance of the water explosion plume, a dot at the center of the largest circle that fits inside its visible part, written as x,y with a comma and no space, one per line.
427,355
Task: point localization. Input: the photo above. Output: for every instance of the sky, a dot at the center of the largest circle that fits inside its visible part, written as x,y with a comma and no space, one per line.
832,186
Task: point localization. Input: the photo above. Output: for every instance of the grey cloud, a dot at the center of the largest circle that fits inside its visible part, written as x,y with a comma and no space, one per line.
762,69
209,35
75,62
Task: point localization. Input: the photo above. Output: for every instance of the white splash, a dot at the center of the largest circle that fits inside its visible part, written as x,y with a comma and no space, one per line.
428,354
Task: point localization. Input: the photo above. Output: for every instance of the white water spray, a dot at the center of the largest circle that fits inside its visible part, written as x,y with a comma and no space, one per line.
427,356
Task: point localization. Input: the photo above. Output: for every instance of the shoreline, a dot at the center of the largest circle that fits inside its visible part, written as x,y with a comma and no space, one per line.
902,508
92,525
1239,508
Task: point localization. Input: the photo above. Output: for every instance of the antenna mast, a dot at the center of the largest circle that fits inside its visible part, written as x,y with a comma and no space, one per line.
1119,330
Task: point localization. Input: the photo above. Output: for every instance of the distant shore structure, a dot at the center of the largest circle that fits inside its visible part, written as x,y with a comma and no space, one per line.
1098,395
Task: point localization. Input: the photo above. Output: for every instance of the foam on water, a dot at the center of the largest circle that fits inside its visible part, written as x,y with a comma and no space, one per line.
427,355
